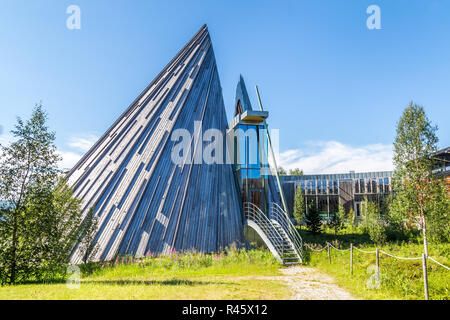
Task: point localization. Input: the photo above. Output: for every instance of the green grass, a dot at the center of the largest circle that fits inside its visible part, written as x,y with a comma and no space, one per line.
188,276
399,279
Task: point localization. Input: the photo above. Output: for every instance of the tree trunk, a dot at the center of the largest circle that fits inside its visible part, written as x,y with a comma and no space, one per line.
12,279
15,223
424,230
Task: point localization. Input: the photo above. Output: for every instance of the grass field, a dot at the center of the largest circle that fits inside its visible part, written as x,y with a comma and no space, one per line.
236,275
189,276
399,279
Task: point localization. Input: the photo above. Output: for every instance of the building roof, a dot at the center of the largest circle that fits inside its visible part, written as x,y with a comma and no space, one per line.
337,176
242,101
443,154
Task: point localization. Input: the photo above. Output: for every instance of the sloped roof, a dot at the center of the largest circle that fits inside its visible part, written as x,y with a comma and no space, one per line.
144,202
242,101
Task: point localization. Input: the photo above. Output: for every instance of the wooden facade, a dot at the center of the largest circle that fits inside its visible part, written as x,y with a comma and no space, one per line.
144,202
328,191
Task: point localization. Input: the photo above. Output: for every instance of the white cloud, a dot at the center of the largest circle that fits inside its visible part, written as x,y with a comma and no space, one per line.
5,139
83,143
336,157
69,159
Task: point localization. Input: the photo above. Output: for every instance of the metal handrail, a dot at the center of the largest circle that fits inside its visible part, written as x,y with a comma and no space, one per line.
280,216
252,212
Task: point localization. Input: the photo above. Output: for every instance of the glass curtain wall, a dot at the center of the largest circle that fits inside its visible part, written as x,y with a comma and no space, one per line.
251,164
324,194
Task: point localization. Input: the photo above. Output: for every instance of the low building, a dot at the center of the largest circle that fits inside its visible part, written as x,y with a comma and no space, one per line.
327,191
442,166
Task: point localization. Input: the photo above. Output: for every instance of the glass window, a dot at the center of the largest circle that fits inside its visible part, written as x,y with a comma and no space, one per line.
330,187
311,187
374,186
322,186
356,186
302,184
334,204
241,147
252,147
361,185
323,205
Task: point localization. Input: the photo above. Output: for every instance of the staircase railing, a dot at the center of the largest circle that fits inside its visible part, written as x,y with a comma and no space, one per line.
253,213
281,217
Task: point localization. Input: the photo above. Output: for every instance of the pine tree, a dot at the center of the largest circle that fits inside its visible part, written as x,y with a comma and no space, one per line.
351,218
313,219
299,205
337,219
281,171
295,172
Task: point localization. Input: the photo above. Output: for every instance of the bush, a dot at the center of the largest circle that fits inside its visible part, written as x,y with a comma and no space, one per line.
374,223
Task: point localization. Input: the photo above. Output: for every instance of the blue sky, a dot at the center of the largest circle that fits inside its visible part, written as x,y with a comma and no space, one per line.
334,88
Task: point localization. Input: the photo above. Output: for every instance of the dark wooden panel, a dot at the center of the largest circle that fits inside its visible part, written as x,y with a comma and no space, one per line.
145,203
346,195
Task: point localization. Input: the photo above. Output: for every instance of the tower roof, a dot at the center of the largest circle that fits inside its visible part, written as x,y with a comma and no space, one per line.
242,101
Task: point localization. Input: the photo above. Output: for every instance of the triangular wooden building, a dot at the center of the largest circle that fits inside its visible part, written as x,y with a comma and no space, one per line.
144,202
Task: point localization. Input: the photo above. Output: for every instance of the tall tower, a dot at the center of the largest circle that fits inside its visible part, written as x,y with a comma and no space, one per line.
143,200
247,135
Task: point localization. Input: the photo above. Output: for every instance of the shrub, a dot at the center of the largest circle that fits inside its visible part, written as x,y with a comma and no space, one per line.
374,223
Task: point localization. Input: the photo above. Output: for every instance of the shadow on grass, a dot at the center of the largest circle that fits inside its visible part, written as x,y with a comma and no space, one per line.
172,282
51,281
345,239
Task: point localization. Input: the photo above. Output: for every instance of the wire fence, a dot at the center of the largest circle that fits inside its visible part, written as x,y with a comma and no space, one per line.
377,251
311,248
438,263
401,258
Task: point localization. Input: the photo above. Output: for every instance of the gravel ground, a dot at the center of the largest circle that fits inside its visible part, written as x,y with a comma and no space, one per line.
311,284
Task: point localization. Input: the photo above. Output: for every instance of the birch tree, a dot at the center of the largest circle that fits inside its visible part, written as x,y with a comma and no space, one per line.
414,184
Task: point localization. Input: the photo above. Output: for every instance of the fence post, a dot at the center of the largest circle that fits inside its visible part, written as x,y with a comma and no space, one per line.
425,275
351,258
329,255
378,264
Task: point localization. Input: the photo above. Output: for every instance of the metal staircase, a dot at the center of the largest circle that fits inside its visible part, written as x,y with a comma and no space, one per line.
277,232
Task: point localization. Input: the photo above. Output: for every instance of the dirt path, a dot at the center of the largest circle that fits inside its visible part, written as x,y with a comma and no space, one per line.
311,284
